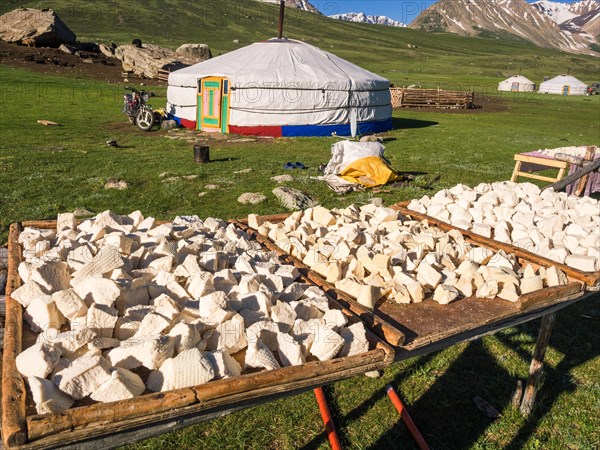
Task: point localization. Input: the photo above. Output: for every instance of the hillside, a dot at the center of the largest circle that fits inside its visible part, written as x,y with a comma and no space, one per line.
405,56
536,23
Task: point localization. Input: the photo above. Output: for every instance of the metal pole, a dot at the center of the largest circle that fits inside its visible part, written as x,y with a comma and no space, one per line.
281,14
334,440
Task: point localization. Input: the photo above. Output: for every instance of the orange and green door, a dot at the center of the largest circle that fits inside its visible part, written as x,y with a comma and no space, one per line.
213,104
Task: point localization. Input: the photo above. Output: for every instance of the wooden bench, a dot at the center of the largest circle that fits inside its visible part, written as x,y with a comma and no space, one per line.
550,163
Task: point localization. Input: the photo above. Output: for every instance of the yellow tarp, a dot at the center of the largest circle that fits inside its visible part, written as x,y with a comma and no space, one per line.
370,172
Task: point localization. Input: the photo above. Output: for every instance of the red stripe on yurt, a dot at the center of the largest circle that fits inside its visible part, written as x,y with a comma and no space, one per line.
256,131
187,123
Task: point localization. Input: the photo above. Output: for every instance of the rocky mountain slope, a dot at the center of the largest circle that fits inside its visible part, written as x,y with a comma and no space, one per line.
364,18
303,5
537,23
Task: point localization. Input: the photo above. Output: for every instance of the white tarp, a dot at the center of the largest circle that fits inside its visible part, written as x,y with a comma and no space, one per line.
285,82
344,153
557,85
517,83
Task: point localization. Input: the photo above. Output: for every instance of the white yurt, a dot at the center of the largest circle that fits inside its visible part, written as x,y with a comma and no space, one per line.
563,85
517,83
280,87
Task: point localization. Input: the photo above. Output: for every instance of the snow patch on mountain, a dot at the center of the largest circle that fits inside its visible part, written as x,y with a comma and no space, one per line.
364,18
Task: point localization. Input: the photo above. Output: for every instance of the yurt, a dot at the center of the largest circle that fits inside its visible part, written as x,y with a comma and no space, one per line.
517,83
563,85
280,87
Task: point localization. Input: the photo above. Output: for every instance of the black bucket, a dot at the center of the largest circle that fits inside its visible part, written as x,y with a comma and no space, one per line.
201,154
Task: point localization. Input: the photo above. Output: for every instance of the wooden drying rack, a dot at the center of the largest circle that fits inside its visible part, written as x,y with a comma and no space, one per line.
113,424
116,423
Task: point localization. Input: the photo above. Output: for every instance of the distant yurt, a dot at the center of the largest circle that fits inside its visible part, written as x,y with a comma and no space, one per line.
517,83
280,87
563,85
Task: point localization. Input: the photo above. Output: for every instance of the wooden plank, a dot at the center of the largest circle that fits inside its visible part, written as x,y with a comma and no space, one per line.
485,330
592,279
541,161
14,430
427,322
537,177
98,428
537,364
391,334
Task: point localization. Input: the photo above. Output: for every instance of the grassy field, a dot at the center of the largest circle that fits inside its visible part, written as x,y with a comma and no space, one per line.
47,170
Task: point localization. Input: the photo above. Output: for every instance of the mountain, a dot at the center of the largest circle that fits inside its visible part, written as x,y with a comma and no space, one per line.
363,18
558,12
512,19
303,5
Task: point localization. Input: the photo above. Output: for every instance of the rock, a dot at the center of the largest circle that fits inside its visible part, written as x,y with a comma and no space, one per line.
282,178
81,213
66,48
147,59
236,41
120,185
169,124
47,397
42,27
238,172
370,139
107,51
250,198
38,360
211,186
122,384
294,199
200,51
83,376
189,368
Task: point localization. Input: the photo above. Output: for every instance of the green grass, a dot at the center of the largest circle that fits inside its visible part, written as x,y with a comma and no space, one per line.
44,171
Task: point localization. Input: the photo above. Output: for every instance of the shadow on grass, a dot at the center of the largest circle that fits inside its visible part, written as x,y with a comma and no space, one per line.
448,403
356,414
446,414
578,341
399,123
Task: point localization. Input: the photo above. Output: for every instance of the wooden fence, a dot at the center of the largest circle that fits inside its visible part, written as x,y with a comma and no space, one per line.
431,98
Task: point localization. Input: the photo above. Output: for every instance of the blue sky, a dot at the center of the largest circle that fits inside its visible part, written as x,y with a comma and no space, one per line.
402,10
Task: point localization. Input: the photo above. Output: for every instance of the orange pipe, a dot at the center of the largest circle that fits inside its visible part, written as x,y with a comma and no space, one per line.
334,440
406,418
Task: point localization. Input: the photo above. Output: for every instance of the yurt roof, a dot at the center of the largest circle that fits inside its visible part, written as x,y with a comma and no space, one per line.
518,79
563,80
282,63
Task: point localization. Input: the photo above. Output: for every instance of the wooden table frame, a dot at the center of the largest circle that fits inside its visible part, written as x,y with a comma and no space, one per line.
128,436
156,424
547,162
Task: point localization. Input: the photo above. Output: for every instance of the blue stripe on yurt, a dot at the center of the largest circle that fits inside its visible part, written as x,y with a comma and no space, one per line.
340,130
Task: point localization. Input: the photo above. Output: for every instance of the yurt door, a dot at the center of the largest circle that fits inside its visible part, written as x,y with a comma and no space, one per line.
566,89
213,104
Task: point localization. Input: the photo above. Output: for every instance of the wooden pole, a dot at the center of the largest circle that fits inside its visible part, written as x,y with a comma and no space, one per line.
562,184
281,15
537,364
14,431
